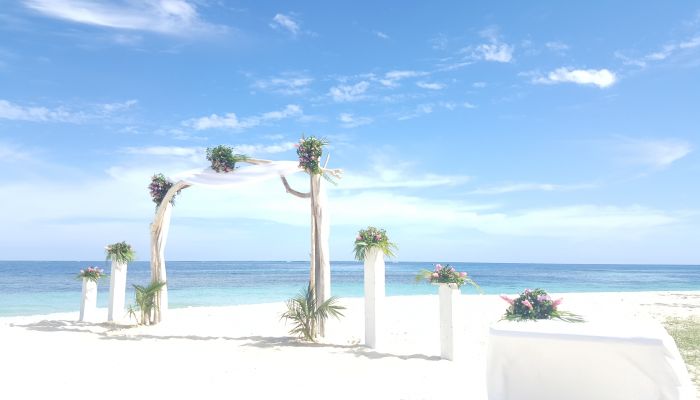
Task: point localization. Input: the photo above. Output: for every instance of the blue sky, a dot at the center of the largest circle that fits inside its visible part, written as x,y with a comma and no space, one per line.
508,132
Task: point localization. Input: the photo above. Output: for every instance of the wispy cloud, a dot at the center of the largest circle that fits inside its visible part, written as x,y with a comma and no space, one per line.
350,121
654,153
231,120
289,84
428,108
431,85
12,153
165,151
16,112
601,78
667,51
347,93
381,35
287,23
259,149
172,17
392,78
529,187
557,46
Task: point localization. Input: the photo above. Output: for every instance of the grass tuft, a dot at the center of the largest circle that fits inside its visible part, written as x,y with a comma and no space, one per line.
686,333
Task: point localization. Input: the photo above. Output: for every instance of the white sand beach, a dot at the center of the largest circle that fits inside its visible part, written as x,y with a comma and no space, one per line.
244,352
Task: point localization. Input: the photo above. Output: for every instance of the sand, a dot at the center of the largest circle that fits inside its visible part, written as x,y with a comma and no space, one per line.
244,352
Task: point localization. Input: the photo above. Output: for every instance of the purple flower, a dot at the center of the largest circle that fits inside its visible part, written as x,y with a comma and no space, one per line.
438,267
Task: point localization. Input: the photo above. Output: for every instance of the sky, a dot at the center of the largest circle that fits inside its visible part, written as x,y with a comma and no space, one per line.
544,132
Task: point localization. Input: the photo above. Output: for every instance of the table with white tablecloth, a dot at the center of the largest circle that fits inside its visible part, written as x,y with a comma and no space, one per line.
602,360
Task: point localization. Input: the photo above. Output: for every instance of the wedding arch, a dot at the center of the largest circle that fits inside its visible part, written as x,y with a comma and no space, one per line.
309,151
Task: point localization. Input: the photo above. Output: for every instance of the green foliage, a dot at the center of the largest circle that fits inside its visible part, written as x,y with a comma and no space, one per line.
446,274
223,159
373,237
306,316
120,252
536,304
92,274
159,187
145,302
686,333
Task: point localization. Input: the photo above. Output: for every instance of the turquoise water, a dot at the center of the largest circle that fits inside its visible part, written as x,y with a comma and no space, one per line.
38,287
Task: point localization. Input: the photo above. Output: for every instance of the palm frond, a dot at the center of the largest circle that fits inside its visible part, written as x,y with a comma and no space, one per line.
305,315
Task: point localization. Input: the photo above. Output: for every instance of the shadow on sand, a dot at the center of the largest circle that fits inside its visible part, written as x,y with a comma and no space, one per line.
111,331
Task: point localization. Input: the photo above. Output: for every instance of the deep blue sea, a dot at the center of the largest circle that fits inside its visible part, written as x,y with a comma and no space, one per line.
38,287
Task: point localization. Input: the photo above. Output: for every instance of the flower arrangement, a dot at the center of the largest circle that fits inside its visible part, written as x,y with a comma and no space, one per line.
446,274
120,252
536,304
91,273
159,188
373,237
309,151
223,158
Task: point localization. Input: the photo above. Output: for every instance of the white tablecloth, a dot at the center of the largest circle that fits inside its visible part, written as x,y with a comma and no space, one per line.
555,360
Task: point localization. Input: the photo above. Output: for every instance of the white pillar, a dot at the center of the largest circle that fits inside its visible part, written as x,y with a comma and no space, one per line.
374,297
449,319
117,291
88,305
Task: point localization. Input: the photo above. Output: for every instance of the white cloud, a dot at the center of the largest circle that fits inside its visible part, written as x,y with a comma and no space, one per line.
165,151
499,52
16,112
258,149
431,85
172,17
655,153
281,21
117,107
350,121
346,93
291,84
231,120
527,187
382,35
602,78
392,78
495,50
479,84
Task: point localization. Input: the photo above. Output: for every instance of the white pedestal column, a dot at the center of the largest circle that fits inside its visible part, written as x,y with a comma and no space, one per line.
88,305
449,319
117,291
374,297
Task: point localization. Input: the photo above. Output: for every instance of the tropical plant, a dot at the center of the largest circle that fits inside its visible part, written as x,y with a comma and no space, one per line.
373,238
145,298
446,274
92,274
120,252
306,316
223,158
536,304
310,151
159,187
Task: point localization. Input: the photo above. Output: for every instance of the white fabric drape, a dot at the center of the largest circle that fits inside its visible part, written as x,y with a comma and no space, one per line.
242,176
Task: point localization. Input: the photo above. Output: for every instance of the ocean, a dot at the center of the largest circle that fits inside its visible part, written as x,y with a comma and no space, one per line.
40,287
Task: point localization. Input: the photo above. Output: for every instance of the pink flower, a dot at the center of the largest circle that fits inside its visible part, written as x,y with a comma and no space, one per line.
507,299
438,267
435,275
527,291
557,302
358,237
527,304
463,274
378,237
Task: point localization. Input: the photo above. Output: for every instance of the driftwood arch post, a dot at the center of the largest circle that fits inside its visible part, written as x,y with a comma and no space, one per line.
319,275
